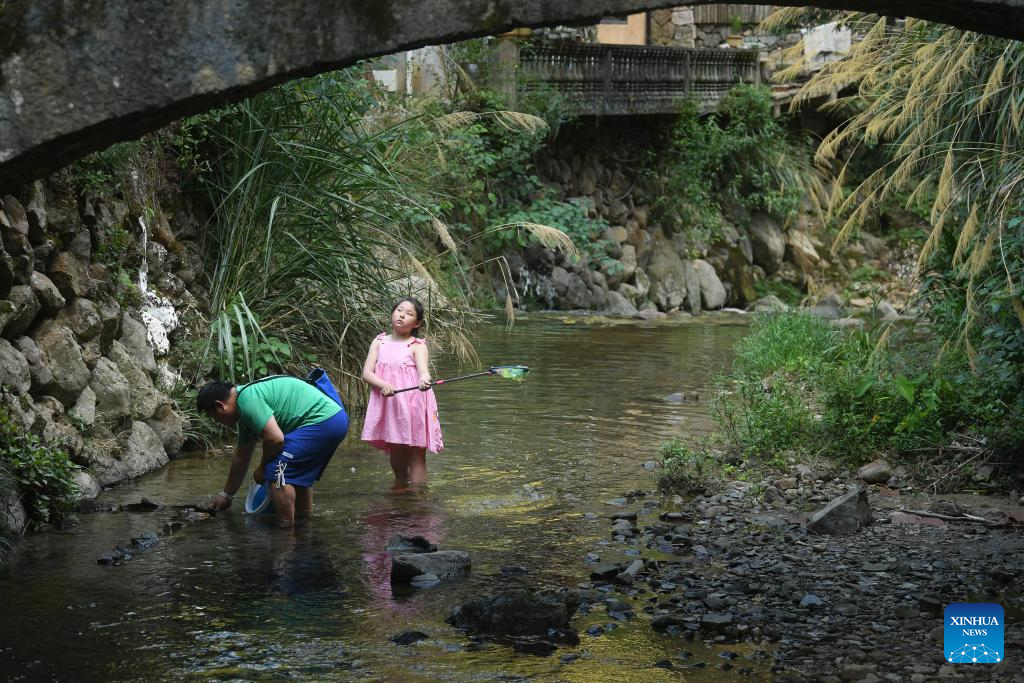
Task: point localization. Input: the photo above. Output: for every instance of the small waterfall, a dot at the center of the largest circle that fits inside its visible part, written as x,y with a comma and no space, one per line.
157,313
144,266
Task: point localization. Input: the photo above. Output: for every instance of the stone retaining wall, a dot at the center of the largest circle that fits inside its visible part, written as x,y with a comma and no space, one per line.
80,344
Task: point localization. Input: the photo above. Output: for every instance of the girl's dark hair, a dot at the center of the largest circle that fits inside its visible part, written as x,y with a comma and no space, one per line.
417,305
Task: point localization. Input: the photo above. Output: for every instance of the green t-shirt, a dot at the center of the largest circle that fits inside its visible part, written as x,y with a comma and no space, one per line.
291,401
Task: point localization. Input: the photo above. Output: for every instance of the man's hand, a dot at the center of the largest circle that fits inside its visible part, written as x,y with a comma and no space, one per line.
221,503
257,475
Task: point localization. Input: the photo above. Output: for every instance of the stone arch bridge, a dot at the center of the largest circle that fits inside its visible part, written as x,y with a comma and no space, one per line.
78,75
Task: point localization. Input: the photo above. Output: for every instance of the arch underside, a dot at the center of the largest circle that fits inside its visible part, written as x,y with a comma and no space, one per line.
79,75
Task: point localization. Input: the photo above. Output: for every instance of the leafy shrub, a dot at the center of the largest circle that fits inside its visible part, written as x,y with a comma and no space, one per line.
787,293
685,470
44,472
800,386
742,152
568,216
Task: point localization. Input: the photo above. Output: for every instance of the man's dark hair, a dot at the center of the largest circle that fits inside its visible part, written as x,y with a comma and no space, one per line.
212,392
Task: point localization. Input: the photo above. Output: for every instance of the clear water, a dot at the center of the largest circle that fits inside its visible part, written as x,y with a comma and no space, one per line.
234,598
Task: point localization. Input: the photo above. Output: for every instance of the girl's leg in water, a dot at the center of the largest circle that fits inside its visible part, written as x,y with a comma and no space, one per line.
417,465
399,462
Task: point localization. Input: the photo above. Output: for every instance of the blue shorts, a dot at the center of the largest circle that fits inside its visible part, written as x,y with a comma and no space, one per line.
307,450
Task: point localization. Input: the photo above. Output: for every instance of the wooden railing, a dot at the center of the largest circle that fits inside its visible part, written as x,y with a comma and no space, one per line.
634,79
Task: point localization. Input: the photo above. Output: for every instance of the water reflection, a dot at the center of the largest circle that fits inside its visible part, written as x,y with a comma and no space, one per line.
524,464
398,511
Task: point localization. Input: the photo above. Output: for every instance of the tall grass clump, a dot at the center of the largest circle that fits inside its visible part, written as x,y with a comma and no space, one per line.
319,228
944,107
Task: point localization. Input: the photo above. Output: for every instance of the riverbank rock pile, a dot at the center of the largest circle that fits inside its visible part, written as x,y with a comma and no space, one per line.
860,601
654,267
85,290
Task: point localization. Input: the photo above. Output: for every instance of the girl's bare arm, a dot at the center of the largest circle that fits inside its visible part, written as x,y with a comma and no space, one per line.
369,376
422,358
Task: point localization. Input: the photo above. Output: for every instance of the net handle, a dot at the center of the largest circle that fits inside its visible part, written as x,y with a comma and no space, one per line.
493,370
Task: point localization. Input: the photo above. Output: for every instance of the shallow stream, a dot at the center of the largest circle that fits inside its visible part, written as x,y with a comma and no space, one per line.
234,598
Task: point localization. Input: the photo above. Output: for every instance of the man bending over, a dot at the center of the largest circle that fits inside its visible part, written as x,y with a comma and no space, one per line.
300,429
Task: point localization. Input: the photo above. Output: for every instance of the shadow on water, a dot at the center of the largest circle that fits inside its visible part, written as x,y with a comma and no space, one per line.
236,597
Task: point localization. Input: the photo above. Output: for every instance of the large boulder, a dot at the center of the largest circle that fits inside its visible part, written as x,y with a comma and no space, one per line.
85,407
692,287
740,277
110,321
113,393
844,515
14,369
767,241
516,613
617,304
134,337
801,252
35,210
572,291
712,291
170,427
63,358
876,472
26,308
21,409
145,398
444,564
6,315
618,271
41,375
666,272
829,307
49,296
82,316
141,451
7,274
88,487
14,233
70,274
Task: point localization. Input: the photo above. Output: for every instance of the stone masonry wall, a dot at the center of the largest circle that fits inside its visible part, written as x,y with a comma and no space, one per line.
80,345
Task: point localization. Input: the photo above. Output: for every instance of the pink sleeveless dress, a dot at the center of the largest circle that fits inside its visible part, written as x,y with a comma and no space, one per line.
407,418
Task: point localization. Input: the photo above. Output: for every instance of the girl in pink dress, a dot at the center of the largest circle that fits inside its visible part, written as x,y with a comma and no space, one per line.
405,426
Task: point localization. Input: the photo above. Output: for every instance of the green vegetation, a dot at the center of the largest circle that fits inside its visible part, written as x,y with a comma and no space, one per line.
801,389
937,111
43,472
684,470
742,153
787,293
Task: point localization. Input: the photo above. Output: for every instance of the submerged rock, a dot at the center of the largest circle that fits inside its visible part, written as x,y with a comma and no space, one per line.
445,564
410,544
516,612
408,637
145,541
